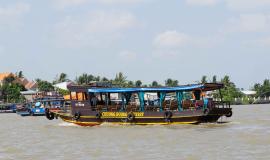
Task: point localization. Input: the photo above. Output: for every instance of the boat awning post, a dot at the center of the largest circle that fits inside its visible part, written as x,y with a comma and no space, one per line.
179,96
127,96
161,99
106,99
141,98
123,101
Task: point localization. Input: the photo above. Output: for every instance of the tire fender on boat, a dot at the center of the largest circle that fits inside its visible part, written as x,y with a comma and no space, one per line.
77,116
229,114
130,116
98,115
49,115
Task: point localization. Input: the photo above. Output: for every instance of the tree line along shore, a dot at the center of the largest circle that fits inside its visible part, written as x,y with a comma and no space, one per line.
11,86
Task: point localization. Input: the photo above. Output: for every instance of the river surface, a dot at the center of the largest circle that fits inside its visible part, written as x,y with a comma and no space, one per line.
245,136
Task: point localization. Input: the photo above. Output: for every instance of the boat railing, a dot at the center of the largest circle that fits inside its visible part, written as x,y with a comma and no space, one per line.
222,104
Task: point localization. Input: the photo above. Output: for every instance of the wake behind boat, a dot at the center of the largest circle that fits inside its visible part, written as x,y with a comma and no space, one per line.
94,105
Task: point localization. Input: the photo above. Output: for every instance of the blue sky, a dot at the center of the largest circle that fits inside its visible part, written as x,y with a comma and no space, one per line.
147,40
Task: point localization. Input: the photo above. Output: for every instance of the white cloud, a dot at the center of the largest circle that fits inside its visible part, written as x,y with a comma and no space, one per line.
10,15
96,28
235,5
202,2
170,43
63,4
127,55
120,1
248,23
171,39
243,5
261,42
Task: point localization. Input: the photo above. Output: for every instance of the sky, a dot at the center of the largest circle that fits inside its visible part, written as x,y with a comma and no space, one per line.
145,39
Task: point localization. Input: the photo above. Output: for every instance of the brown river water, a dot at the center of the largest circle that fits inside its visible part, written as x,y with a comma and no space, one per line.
245,136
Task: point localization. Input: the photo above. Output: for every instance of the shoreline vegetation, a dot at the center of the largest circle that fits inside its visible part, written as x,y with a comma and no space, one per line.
10,88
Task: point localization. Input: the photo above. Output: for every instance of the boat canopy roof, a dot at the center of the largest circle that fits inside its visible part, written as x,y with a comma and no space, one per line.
193,87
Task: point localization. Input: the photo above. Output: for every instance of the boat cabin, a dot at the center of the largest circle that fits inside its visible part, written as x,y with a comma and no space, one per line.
112,99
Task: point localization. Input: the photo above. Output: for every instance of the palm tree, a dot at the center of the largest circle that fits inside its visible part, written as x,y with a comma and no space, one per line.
204,79
20,74
214,80
120,79
62,77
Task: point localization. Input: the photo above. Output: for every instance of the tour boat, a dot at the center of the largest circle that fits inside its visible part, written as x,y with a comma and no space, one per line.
188,104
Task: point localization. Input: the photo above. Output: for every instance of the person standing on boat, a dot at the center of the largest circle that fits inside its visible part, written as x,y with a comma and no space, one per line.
94,100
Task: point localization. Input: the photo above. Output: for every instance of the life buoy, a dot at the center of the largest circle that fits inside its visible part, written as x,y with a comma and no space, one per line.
49,115
168,115
229,114
206,111
130,116
77,116
98,115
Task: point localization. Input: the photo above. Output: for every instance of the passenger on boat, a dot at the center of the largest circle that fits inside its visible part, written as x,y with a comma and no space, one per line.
94,100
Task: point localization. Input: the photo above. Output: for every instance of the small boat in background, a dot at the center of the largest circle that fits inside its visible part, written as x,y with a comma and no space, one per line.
7,108
54,102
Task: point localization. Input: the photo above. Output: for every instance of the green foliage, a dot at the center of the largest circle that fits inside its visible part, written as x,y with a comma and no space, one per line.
155,84
262,89
45,86
230,91
130,84
214,79
20,74
62,91
87,78
171,83
61,78
120,80
11,91
204,79
138,83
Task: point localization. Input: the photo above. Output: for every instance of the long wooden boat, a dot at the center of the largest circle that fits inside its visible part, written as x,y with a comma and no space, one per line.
94,105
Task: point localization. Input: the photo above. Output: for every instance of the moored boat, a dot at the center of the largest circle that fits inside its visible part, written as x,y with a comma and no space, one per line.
7,108
94,105
54,102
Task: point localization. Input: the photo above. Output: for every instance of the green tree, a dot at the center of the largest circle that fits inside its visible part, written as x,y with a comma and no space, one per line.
62,91
229,92
120,80
20,74
45,86
155,84
203,80
138,83
61,78
262,89
11,90
214,79
171,83
104,79
130,84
